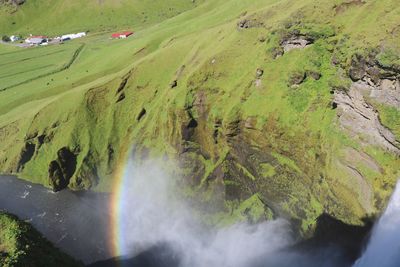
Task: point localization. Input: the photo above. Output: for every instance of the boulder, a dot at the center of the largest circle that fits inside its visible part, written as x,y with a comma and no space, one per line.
358,68
297,78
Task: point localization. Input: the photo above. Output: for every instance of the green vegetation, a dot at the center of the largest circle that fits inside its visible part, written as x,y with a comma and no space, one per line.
21,245
188,86
26,66
59,17
5,38
390,117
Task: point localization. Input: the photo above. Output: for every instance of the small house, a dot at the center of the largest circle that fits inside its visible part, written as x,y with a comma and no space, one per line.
36,40
121,35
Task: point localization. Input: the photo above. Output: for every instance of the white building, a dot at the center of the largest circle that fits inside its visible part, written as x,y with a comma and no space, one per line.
14,38
72,36
36,40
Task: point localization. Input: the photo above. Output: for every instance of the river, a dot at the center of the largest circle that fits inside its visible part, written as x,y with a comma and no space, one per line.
77,223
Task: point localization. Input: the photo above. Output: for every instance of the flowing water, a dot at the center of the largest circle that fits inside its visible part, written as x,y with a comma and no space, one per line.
76,223
155,228
383,249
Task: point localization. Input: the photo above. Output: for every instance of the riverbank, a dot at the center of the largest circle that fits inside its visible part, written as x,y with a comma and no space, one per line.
77,223
22,245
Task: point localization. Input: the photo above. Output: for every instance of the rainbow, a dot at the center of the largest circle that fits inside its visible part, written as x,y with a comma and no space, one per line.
116,208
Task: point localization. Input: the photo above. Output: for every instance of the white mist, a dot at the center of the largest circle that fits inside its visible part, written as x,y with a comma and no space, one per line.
153,214
384,247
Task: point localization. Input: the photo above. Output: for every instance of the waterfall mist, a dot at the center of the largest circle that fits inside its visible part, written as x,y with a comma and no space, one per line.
152,214
384,247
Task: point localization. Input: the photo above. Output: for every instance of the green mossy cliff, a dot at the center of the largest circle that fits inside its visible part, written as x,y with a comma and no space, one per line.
256,100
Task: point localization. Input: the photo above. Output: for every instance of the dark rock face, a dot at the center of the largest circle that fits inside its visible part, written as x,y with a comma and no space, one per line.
249,23
259,73
121,97
331,232
188,130
358,68
297,78
87,174
142,113
173,84
26,155
18,2
62,169
121,88
315,75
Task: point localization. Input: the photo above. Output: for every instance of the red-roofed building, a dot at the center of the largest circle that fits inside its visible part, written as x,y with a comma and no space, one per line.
121,35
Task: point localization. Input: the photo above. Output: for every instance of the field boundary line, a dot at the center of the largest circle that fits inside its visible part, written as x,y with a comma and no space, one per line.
64,67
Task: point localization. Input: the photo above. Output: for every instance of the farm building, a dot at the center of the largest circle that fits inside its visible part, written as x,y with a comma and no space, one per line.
36,40
121,35
71,36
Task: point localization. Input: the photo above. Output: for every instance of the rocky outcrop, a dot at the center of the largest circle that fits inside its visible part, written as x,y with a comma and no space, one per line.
347,5
62,169
385,91
372,84
173,84
249,23
296,42
377,82
12,2
361,120
296,78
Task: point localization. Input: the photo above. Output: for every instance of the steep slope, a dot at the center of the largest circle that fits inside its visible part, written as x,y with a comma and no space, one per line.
259,101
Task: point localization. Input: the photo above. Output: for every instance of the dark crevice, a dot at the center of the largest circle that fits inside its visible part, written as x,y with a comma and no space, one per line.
189,129
142,113
121,97
122,85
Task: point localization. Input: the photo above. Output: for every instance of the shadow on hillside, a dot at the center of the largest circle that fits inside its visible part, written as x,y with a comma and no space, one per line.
350,240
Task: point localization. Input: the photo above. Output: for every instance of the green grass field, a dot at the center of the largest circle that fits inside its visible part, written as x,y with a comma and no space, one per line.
59,17
92,106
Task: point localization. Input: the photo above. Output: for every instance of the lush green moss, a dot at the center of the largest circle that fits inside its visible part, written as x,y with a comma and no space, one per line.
390,117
